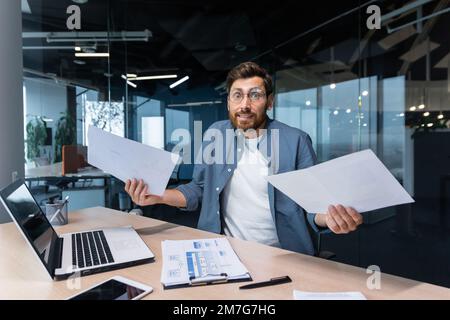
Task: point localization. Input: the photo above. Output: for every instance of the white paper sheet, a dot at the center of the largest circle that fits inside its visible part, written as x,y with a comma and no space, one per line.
359,180
201,259
127,159
304,295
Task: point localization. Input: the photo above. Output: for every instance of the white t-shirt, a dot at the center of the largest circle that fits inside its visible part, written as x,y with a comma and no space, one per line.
245,200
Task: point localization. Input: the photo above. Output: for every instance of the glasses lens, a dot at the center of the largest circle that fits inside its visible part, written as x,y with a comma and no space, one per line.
236,97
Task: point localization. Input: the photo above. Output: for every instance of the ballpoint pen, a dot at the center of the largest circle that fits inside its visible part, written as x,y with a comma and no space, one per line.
271,282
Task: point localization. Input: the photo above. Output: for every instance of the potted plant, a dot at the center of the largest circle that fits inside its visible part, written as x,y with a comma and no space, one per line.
65,134
36,136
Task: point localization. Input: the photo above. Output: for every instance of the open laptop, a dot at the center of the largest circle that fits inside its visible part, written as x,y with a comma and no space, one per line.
82,252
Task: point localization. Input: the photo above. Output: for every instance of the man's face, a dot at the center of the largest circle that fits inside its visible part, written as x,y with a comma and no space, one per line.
248,103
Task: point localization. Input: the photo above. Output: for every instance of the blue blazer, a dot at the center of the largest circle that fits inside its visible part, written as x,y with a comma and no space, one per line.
286,148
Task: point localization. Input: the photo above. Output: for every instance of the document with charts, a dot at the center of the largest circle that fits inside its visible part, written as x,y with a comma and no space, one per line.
127,159
200,261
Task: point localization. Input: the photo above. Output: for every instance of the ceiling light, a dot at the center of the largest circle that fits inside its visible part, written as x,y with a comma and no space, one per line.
131,75
132,84
426,114
308,103
429,125
166,76
45,119
333,86
77,48
92,55
413,108
401,114
365,125
365,93
348,110
129,82
335,112
173,85
422,106
80,1
440,117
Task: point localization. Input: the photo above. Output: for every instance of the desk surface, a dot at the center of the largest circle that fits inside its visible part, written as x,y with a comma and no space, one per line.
55,170
23,277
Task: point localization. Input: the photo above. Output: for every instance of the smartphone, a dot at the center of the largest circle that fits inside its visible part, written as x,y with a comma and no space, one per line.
115,288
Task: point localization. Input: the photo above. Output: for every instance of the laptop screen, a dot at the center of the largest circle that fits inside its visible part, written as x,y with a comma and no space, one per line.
33,222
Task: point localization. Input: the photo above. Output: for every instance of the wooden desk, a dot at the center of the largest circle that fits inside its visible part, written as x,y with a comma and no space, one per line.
23,277
55,170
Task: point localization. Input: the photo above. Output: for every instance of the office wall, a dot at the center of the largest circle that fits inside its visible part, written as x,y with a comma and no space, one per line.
11,110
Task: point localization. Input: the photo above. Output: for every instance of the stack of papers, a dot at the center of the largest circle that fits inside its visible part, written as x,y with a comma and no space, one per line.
188,262
127,159
304,295
358,180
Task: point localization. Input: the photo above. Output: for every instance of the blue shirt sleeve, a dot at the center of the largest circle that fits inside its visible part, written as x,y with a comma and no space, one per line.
193,191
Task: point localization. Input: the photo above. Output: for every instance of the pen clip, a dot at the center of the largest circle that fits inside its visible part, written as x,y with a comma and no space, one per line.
280,278
208,279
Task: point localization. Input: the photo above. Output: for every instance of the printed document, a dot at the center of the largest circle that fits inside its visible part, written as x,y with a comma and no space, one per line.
304,295
359,180
127,159
186,261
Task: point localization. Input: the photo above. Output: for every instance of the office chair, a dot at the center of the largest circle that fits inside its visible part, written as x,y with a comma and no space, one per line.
328,255
317,242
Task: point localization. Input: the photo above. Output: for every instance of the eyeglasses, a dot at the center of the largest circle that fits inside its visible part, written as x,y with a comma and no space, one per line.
253,95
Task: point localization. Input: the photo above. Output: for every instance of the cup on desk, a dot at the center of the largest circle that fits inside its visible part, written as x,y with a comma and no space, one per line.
57,212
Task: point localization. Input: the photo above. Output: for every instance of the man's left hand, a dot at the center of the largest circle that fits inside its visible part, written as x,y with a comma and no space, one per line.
340,219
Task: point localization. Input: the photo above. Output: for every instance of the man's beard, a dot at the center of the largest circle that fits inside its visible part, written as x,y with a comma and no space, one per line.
247,120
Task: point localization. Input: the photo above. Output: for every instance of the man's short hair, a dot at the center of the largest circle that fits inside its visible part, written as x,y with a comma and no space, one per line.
249,70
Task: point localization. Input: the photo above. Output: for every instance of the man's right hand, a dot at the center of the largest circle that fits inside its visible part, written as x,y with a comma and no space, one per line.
138,192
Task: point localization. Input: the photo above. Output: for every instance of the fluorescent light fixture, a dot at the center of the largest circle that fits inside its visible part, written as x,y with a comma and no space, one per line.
173,85
440,117
365,93
166,76
426,114
132,84
421,107
429,125
413,108
45,119
348,110
333,86
131,75
92,55
77,48
129,82
308,103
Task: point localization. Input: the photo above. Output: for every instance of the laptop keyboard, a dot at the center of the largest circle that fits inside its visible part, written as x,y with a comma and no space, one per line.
90,249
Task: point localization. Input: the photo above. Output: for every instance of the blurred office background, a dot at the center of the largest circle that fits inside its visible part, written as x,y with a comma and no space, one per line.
348,86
